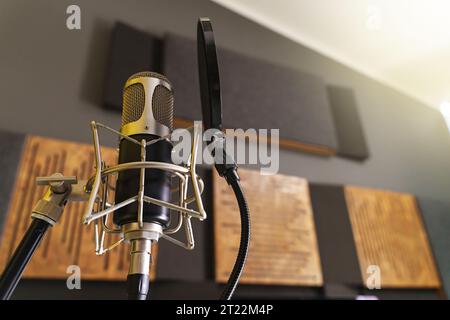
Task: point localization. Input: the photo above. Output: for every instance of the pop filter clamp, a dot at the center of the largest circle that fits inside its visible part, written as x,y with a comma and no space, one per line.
211,102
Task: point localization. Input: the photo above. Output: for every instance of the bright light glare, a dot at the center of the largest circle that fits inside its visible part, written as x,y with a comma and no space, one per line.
445,110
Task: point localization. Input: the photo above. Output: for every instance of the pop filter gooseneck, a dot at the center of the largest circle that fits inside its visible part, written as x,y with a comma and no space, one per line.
211,101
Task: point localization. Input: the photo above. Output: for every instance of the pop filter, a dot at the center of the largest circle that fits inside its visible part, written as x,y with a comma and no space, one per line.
208,71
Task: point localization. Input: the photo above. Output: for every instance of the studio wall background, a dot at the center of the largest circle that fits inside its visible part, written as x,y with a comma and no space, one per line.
52,80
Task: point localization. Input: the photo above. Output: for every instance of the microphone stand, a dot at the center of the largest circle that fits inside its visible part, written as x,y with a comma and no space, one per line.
46,213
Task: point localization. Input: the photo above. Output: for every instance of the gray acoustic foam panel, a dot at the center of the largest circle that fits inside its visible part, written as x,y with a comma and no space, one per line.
436,215
255,94
340,266
131,51
349,131
11,145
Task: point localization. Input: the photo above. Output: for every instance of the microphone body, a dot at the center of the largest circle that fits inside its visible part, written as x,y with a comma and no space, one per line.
147,115
157,182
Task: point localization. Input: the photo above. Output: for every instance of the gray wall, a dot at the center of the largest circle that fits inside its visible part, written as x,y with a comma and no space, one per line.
51,84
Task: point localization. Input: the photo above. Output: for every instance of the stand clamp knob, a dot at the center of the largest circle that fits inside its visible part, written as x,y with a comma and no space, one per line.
57,182
51,206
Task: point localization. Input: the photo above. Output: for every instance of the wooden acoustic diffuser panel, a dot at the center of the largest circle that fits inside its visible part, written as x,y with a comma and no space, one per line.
69,242
283,248
389,233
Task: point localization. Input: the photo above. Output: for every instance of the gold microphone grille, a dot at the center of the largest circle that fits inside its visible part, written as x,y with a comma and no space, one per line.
162,106
134,101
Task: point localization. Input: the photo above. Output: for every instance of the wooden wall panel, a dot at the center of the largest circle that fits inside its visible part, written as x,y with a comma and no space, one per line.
68,242
389,232
283,247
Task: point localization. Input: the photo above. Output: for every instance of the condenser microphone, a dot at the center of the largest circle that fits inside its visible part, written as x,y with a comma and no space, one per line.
147,115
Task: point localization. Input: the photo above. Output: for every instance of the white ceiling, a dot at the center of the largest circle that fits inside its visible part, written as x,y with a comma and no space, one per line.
403,43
